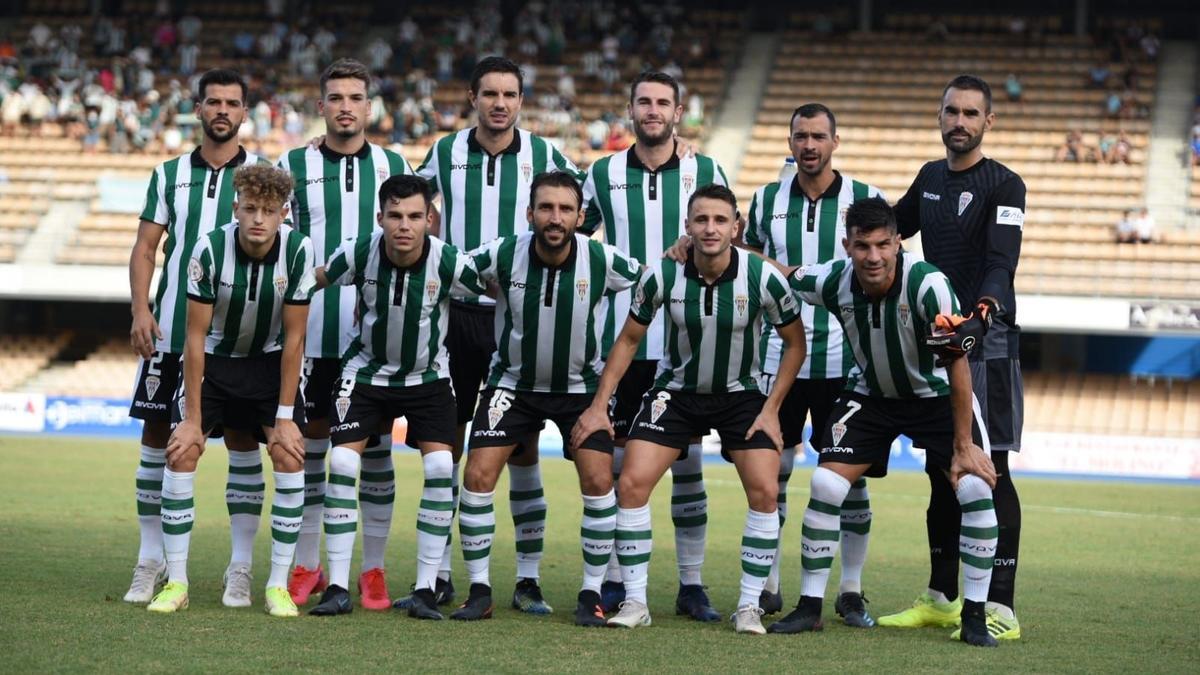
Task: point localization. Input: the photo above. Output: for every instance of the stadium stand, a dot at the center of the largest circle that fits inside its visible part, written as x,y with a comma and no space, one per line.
22,356
105,372
1112,404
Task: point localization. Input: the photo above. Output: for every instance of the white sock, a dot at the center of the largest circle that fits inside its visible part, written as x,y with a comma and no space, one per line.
341,513
434,516
821,531
760,539
287,511
596,534
614,566
376,499
787,460
308,546
856,532
476,529
527,501
245,492
689,514
448,553
633,546
977,536
148,483
178,513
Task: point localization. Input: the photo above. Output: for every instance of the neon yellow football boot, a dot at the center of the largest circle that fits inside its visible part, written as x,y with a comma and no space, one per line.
925,611
172,598
279,602
998,626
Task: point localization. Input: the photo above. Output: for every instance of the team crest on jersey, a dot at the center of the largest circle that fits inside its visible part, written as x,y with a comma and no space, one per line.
431,290
838,430
639,298
904,315
689,182
195,271
581,287
659,406
842,215
527,171
152,383
342,404
281,285
964,200
381,175
740,301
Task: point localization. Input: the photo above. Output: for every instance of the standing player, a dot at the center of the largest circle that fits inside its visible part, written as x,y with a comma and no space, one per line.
970,211
188,196
552,282
715,303
798,223
484,174
336,198
245,342
640,197
888,304
396,366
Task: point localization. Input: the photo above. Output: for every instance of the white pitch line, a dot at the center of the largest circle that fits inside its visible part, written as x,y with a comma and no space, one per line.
1065,510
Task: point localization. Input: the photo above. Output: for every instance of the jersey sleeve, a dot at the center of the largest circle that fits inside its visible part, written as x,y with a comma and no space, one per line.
648,296
397,164
343,264
429,167
935,296
755,231
908,209
778,304
154,209
623,271
299,293
593,218
459,269
808,283
719,175
1005,224
556,161
201,274
484,259
292,204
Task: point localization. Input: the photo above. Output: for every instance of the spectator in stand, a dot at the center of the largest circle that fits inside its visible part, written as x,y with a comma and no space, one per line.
379,53
189,55
1150,45
1127,228
324,40
566,86
1112,104
269,44
1195,145
1145,227
597,134
693,118
618,138
164,41
1012,87
1098,75
1073,149
189,28
1118,150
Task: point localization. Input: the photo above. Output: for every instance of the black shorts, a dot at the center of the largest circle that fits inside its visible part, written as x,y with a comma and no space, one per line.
318,377
359,409
470,343
157,379
1001,392
673,418
806,398
240,394
507,417
862,428
637,380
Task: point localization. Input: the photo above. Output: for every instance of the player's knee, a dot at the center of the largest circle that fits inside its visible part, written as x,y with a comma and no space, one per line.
632,492
762,498
479,478
185,461
285,462
596,485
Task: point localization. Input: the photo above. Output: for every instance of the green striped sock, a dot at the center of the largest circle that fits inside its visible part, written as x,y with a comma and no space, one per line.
245,492
856,529
527,501
977,536
596,534
148,484
376,499
820,532
760,539
434,516
287,512
341,513
178,513
689,514
633,545
476,529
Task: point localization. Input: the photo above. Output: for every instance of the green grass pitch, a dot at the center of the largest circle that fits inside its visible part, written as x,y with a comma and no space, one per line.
1110,581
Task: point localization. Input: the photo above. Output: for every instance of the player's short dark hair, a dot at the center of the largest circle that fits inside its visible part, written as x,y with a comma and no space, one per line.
867,215
496,64
345,69
654,76
403,187
221,76
556,178
714,191
811,110
974,83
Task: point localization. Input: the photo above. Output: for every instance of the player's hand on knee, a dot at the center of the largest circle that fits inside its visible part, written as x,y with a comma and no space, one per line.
592,420
971,459
186,438
679,250
768,423
286,437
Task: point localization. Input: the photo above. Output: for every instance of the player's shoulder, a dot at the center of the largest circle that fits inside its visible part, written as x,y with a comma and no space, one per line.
918,269
862,186
292,234
999,175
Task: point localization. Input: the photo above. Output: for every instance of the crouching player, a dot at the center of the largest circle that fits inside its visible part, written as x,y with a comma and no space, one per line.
889,305
246,317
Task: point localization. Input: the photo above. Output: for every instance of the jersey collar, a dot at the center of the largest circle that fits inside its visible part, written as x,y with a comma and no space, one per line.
199,161
386,261
634,163
535,261
831,192
730,273
271,257
512,149
335,156
897,281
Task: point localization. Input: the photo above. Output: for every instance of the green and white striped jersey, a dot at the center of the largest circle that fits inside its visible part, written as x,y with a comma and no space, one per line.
713,331
404,310
886,336
484,197
248,295
642,212
548,319
190,199
796,231
336,197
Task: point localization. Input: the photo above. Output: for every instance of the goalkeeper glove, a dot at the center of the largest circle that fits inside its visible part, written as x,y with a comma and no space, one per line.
955,336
